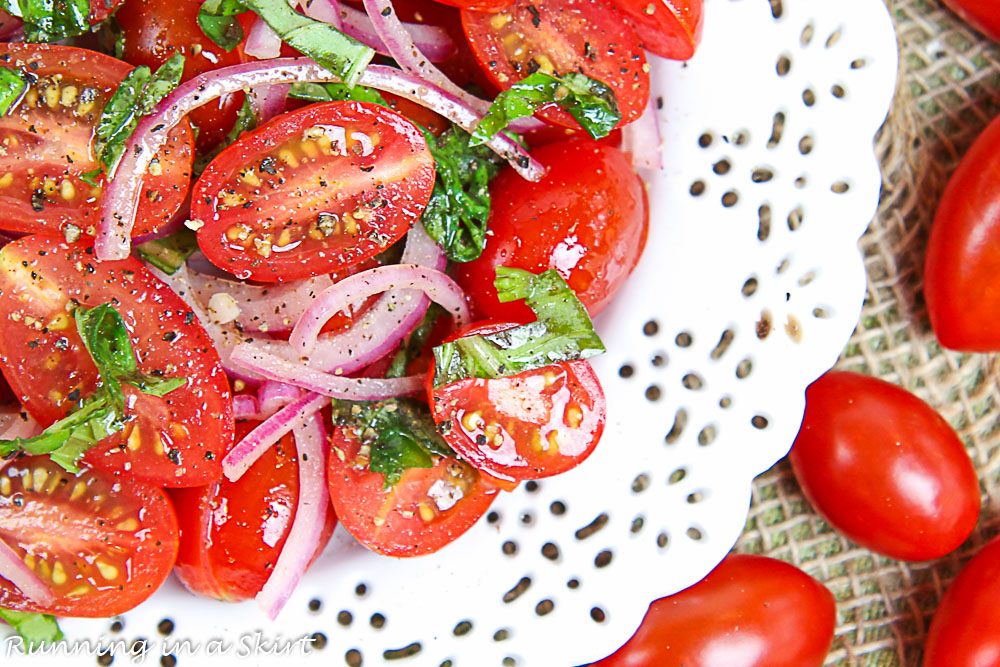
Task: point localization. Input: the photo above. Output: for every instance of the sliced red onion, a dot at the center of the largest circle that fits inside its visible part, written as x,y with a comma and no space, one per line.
327,11
268,101
16,423
328,384
10,26
262,42
245,407
436,285
432,41
14,570
310,517
272,396
248,450
642,139
121,195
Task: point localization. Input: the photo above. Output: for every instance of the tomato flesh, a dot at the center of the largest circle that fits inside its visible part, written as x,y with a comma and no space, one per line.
669,28
427,509
176,440
47,139
102,544
348,184
231,533
984,15
559,36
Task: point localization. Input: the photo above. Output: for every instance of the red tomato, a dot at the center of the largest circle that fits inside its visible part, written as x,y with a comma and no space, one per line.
410,518
313,191
965,631
46,139
233,532
587,219
102,544
478,5
668,28
157,29
884,468
176,440
984,15
962,271
750,611
589,36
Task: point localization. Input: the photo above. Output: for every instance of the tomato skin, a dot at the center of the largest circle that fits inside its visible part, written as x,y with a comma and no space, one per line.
884,468
587,219
961,283
965,631
478,5
984,15
750,611
116,536
263,198
176,440
47,149
673,30
223,526
157,29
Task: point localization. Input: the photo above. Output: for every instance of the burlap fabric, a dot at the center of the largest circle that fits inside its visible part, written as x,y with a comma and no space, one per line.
949,89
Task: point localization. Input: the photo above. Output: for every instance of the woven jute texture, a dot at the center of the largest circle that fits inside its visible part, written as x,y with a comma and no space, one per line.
949,89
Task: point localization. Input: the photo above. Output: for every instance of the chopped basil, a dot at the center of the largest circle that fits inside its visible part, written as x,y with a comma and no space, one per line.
50,20
110,346
459,206
591,102
136,96
90,177
35,629
169,253
12,87
414,346
332,49
217,19
246,120
400,433
333,92
562,332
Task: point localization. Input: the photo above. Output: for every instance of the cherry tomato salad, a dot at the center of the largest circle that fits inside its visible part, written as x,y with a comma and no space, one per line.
269,266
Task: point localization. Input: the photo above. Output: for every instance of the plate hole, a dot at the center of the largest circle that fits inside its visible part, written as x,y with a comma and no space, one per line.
706,436
447,663
858,63
168,661
744,368
800,182
725,402
724,341
501,635
509,548
361,590
345,618
806,144
462,629
526,518
784,65
763,326
518,590
573,584
659,360
722,167
759,422
118,626
795,218
838,91
820,312
749,287
833,38
684,339
705,140
807,278
166,626
598,615
636,525
662,540
640,483
400,653
650,328
558,508
603,559
741,137
840,187
315,605
697,188
807,35
544,607
531,486
377,621
105,659
652,393
763,222
777,9
761,175
808,97
692,381
626,371
680,421
353,658
783,266
599,522
550,551
694,533
677,475
509,662
695,497
730,199
777,129
492,517
318,641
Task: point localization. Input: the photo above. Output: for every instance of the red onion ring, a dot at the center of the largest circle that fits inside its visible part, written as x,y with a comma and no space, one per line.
327,11
432,41
16,423
248,450
263,42
14,570
272,396
245,407
310,517
436,285
9,26
268,101
642,139
121,195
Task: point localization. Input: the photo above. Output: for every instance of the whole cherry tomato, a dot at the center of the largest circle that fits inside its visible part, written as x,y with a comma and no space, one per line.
884,468
962,271
750,611
982,14
965,631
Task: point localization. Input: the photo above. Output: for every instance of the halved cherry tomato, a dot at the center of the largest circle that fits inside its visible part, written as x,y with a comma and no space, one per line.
46,139
668,28
313,191
157,29
427,509
884,468
102,544
984,15
589,36
750,611
478,5
587,219
233,532
176,440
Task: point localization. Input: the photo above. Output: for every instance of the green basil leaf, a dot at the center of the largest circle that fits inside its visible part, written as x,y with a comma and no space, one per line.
217,19
415,343
12,87
246,120
342,55
335,92
51,20
562,332
34,629
92,177
591,102
154,385
169,253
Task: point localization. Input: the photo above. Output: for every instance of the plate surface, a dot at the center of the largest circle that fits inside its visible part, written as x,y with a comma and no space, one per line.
750,286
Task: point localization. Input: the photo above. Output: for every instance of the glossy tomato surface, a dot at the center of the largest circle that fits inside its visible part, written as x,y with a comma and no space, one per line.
102,544
983,14
231,533
962,270
587,219
176,440
47,137
965,631
669,28
427,509
559,36
157,29
750,611
314,191
884,468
